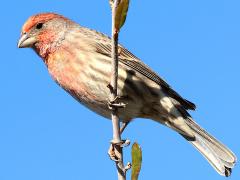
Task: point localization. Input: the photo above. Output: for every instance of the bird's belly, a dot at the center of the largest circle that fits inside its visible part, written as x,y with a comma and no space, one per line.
93,98
88,83
94,94
96,97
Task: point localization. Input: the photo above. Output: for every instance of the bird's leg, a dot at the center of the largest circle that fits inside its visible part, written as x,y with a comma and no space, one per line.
115,102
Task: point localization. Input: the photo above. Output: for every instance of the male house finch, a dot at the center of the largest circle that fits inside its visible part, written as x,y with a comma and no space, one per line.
79,60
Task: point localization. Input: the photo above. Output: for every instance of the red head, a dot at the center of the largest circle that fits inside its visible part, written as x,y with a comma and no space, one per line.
42,31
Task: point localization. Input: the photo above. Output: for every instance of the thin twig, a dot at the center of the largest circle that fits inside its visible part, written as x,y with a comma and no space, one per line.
124,125
113,95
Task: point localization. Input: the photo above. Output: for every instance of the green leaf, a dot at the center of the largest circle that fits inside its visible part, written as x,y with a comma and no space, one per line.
136,161
121,14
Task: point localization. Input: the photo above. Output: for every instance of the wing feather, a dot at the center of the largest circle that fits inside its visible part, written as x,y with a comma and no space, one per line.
102,44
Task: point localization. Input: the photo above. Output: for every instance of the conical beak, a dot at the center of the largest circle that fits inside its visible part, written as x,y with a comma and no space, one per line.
26,41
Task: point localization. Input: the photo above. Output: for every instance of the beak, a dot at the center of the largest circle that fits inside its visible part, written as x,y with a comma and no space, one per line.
26,41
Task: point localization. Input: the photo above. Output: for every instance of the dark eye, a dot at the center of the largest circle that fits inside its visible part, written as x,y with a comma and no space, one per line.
39,26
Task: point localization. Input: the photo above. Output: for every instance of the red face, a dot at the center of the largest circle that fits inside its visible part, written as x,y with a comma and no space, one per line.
37,28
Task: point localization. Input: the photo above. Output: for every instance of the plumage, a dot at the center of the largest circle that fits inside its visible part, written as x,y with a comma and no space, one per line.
79,60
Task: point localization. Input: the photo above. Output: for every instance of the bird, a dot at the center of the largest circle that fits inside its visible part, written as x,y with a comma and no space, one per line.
79,60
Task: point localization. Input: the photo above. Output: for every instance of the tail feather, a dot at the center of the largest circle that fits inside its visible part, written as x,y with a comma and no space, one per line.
218,155
210,155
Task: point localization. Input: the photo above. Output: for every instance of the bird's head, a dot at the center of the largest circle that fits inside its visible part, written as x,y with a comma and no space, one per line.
43,31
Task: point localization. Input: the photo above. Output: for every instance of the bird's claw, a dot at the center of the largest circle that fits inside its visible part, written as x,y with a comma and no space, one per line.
115,104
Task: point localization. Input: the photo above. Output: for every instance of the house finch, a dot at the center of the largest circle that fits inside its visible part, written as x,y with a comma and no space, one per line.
79,60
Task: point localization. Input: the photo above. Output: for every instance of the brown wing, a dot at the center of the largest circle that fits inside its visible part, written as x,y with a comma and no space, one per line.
143,69
103,46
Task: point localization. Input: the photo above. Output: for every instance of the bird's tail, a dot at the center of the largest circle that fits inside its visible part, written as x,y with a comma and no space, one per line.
218,155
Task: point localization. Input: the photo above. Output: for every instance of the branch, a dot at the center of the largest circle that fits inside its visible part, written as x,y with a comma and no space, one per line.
113,96
114,78
119,11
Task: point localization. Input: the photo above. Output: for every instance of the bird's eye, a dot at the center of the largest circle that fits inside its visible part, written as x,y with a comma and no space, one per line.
39,26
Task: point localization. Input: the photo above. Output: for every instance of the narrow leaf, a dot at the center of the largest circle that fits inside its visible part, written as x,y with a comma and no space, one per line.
121,14
136,161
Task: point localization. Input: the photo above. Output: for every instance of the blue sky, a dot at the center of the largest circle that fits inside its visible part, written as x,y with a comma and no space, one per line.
46,134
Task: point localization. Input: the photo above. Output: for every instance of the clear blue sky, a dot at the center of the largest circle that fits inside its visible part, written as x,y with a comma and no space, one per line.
46,135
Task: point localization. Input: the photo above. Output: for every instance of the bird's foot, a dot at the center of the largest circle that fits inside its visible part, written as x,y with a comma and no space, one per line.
115,103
